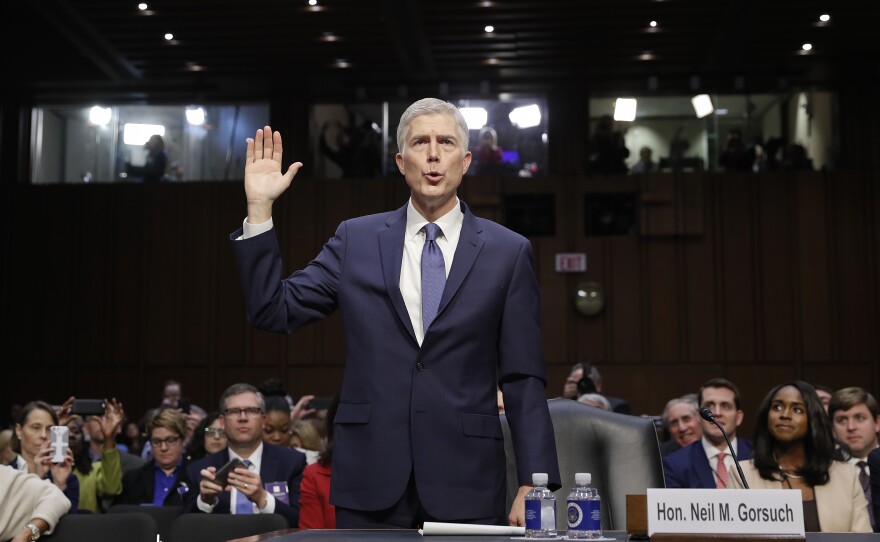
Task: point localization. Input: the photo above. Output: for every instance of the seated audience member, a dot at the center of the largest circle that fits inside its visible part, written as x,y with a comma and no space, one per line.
595,400
683,423
208,438
794,449
276,430
33,446
874,467
133,437
163,480
304,437
824,393
29,507
7,454
315,510
97,466
270,480
645,164
585,378
706,462
855,422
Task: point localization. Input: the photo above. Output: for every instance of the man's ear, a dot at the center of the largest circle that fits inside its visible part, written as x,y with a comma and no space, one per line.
398,158
467,161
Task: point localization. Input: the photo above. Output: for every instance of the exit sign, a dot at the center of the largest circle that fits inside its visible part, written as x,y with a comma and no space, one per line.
571,262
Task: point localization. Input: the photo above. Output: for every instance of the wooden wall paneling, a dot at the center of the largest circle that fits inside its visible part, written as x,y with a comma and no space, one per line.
164,213
557,300
700,273
662,300
231,332
851,268
776,284
691,203
674,380
738,259
47,265
92,304
841,374
813,267
589,343
626,336
658,204
196,263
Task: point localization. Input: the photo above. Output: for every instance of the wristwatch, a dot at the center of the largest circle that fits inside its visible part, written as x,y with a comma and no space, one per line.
35,531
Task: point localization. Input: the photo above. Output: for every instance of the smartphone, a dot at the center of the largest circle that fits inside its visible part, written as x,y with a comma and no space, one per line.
184,404
88,407
221,477
320,403
59,436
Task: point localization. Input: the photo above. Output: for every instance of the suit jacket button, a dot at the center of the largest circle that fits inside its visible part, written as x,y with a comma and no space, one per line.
420,367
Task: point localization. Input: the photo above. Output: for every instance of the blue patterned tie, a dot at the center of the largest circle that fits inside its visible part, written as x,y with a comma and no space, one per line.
433,275
242,504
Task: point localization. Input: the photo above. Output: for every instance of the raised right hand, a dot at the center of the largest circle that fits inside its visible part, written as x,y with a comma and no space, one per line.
263,180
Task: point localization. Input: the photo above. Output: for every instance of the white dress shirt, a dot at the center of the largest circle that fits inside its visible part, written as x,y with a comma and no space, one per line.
712,453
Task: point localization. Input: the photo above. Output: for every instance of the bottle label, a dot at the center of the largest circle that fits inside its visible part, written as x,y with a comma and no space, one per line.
533,515
584,515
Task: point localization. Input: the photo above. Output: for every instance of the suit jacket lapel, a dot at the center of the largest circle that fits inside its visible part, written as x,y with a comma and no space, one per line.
702,466
469,245
391,253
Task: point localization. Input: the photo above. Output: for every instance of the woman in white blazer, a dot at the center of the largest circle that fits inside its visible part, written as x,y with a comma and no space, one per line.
794,449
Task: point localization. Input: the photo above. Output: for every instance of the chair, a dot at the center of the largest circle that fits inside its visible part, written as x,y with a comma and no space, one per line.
105,528
620,451
196,527
163,515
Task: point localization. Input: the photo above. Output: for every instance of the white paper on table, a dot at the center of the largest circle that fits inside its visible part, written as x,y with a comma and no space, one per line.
459,529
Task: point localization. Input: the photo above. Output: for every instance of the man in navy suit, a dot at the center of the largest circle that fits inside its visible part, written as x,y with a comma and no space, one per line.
417,434
270,481
697,464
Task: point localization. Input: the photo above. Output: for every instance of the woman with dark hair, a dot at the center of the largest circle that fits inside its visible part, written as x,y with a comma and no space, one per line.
208,438
315,510
32,445
794,449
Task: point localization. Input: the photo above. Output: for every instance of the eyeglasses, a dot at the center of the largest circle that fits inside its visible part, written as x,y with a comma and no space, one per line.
250,411
170,441
216,431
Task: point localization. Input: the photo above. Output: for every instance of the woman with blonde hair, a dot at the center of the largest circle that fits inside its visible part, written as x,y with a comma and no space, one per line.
304,436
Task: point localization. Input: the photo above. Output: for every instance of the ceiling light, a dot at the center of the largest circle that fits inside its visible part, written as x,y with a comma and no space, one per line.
721,111
329,36
475,117
313,2
625,109
341,63
142,6
100,116
824,17
653,24
169,36
807,47
491,60
138,134
702,105
526,116
489,28
195,115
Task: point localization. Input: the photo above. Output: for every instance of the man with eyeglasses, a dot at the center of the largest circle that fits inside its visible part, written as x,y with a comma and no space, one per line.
269,481
163,480
707,462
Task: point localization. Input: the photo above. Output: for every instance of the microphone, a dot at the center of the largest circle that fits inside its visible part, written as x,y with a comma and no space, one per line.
707,415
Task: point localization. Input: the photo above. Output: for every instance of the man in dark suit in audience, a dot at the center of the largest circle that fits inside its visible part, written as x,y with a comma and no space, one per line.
163,480
706,462
269,481
683,423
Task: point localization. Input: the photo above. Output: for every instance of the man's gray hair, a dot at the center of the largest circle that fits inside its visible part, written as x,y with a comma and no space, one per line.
689,399
431,106
238,389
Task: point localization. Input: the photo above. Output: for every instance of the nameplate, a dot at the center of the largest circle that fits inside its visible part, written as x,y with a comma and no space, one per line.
725,511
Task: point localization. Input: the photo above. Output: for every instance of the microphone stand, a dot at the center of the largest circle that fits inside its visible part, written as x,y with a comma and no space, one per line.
707,415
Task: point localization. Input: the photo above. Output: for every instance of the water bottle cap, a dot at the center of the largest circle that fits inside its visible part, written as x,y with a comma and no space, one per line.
583,478
539,478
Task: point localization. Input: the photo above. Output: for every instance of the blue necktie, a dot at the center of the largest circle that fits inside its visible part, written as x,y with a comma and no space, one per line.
433,275
242,504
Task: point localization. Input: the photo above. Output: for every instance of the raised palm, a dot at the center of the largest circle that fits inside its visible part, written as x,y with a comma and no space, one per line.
263,180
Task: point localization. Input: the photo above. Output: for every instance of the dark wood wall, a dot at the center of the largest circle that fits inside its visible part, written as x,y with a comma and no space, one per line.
112,289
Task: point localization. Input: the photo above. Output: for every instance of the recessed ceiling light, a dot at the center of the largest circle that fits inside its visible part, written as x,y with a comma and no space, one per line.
492,60
328,36
824,17
142,6
653,24
489,28
341,63
313,2
807,47
169,36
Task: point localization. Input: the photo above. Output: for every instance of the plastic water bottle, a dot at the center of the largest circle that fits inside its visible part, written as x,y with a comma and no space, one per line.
540,509
584,509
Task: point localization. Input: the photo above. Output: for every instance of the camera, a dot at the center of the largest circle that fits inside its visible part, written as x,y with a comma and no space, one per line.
586,385
88,407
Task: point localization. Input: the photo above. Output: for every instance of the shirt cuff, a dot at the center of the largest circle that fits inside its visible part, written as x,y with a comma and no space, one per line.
205,507
270,504
252,230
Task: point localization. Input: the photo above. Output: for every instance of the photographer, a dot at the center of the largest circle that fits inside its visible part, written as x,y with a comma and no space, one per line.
585,378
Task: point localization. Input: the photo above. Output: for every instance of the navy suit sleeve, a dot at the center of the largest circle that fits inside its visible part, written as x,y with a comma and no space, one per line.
874,466
671,472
